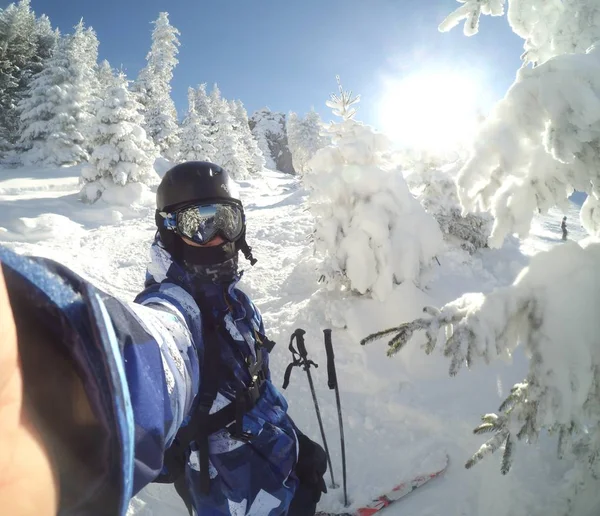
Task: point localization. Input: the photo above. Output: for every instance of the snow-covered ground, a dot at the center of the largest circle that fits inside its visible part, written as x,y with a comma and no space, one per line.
546,232
398,412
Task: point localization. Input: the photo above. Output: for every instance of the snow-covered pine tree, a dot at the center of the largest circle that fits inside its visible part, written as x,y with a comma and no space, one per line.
203,106
215,100
269,130
228,150
105,77
123,157
541,141
371,232
17,48
26,42
433,182
84,60
257,127
57,107
293,134
305,138
46,39
195,141
255,161
154,87
236,128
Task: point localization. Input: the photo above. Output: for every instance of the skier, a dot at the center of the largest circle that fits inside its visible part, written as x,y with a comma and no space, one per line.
174,387
563,226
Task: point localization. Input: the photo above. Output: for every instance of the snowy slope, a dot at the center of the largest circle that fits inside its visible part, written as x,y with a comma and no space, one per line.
397,412
546,232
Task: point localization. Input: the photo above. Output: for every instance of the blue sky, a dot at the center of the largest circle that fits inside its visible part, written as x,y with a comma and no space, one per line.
285,54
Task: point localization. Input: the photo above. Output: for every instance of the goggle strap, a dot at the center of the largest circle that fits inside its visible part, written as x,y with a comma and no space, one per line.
246,249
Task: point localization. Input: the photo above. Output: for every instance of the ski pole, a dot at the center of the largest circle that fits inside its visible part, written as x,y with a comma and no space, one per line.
300,358
333,384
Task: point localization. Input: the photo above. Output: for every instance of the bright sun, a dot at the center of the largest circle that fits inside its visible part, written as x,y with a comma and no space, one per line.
432,111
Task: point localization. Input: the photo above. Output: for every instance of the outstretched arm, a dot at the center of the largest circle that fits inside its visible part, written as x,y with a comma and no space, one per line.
92,390
161,366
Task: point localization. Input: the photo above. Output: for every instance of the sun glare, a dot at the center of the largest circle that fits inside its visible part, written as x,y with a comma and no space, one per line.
432,111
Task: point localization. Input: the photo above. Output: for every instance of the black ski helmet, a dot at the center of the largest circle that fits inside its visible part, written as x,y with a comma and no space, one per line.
188,183
193,181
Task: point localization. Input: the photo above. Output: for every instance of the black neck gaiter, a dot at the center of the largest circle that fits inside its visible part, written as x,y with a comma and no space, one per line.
218,264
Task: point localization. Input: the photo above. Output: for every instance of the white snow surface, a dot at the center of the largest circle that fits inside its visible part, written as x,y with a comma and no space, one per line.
398,412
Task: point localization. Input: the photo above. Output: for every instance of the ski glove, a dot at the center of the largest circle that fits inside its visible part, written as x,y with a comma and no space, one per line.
310,469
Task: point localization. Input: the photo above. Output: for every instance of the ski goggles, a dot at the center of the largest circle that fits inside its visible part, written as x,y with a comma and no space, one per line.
203,222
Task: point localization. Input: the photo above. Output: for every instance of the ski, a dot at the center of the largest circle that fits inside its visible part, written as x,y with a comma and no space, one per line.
393,495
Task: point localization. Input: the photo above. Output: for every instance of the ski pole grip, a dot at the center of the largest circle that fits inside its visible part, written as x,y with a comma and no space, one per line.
299,333
331,375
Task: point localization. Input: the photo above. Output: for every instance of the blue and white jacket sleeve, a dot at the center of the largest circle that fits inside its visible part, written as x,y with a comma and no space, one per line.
158,337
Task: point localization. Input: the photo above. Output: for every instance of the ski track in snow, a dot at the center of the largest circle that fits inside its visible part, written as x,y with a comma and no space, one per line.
397,411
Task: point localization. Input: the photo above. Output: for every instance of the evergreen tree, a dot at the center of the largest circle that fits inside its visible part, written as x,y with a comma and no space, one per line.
154,86
253,156
370,232
202,105
46,39
293,131
25,44
105,78
84,62
215,101
433,181
123,153
204,110
54,112
305,138
195,142
263,130
17,50
228,150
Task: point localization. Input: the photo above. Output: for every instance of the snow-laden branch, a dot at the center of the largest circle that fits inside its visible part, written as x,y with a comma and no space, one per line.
470,11
556,321
540,142
434,185
548,27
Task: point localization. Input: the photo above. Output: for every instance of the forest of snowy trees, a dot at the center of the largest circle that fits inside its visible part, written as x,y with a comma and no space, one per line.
59,107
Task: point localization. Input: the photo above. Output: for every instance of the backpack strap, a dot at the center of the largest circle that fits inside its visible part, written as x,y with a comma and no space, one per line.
202,424
196,429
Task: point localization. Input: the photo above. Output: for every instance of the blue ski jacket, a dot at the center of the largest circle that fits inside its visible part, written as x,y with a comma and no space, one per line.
141,363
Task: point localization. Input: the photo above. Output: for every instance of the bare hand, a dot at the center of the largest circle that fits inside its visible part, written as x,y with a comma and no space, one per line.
28,485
